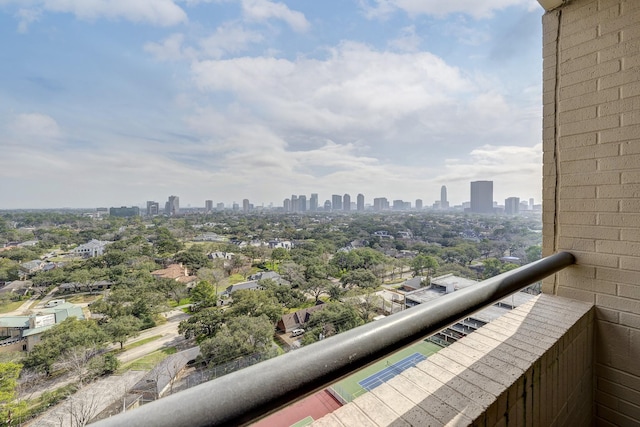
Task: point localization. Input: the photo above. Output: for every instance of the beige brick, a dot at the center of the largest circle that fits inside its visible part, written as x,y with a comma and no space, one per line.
604,414
580,115
630,177
586,192
579,166
578,142
621,105
617,303
598,260
578,89
592,73
619,163
578,64
611,316
630,205
630,263
619,247
571,243
630,90
618,376
631,320
575,218
616,275
625,289
594,45
630,118
593,205
629,148
621,220
594,152
621,50
602,233
578,294
576,99
602,178
622,134
624,191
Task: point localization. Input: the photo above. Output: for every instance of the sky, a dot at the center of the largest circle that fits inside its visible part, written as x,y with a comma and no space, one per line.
116,102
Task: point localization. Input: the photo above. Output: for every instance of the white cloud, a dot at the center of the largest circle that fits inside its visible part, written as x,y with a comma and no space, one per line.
156,12
477,9
170,49
27,17
35,126
408,40
228,38
263,10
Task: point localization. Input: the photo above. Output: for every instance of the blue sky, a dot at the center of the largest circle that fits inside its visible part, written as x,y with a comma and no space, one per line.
115,102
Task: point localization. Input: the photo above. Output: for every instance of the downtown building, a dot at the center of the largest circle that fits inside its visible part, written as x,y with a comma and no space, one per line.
482,197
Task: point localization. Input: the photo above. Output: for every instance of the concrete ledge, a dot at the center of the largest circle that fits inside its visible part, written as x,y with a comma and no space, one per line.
531,367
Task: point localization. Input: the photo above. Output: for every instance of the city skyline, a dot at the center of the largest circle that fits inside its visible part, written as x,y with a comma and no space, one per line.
211,99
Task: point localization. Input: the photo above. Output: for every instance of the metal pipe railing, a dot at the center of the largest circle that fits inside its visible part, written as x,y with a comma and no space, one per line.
248,394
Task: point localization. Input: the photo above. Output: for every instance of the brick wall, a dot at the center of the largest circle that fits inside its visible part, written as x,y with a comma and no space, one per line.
591,184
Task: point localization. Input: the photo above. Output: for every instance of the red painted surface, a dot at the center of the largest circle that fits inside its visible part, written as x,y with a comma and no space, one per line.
315,406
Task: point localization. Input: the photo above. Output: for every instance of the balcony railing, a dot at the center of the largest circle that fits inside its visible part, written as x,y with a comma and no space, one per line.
246,395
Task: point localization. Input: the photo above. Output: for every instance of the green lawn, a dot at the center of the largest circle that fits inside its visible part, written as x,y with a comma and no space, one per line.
349,388
5,308
148,362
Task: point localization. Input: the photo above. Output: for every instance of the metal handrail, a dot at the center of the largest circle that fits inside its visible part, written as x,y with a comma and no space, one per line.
246,395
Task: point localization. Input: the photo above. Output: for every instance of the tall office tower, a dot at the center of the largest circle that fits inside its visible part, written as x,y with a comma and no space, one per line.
327,205
444,203
482,196
398,205
512,205
380,204
235,207
313,202
531,204
153,208
220,206
302,203
418,204
346,202
172,207
360,202
336,202
286,205
295,207
245,205
208,205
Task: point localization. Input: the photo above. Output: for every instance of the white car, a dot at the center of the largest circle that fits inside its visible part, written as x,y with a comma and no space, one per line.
297,332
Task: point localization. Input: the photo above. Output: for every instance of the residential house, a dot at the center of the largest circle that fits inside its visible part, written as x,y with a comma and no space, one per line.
91,249
175,272
291,321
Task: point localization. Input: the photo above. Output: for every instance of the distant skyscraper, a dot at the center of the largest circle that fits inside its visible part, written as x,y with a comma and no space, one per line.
245,205
295,207
444,203
380,204
360,202
531,204
153,208
327,205
172,207
336,202
482,196
418,204
208,205
512,205
220,206
302,203
346,202
286,205
313,202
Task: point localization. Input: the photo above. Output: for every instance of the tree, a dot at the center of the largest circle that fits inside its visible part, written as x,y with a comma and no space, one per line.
533,253
315,287
204,324
9,409
332,319
423,262
240,336
120,329
69,333
256,303
361,278
203,295
285,294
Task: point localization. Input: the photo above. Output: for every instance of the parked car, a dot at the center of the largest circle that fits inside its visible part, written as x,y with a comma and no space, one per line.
297,332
